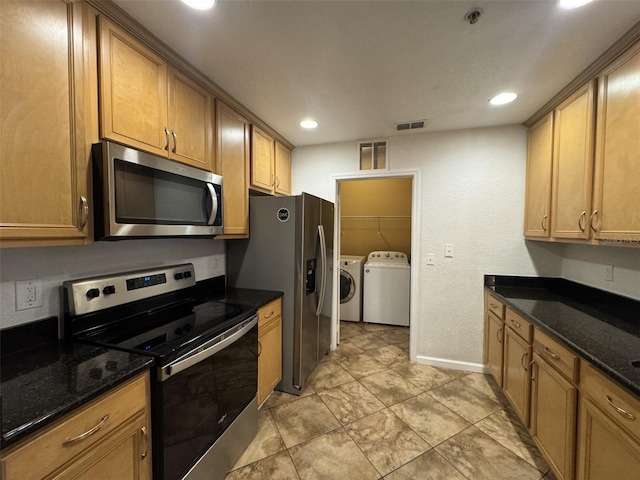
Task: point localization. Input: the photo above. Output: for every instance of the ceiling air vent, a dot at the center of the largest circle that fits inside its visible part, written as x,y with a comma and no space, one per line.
414,125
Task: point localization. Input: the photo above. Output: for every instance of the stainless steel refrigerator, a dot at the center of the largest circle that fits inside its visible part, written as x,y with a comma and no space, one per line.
290,248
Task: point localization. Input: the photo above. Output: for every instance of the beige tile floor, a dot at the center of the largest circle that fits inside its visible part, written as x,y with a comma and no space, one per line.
368,413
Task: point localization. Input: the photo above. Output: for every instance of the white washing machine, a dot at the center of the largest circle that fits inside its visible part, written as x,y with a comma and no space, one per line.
351,287
387,288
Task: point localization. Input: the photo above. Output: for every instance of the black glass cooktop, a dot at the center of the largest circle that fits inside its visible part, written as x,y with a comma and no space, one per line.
170,331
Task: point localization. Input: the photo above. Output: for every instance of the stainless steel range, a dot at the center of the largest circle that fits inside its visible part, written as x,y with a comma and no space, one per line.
204,382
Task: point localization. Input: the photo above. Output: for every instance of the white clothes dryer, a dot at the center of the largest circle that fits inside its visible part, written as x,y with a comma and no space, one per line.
351,287
387,288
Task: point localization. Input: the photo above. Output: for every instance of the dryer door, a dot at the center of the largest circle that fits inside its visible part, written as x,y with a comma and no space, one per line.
347,286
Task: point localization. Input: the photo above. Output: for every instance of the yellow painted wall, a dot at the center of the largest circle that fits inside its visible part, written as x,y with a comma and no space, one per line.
379,198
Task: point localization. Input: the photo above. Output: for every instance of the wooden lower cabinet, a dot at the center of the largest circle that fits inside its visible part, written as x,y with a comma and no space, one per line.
495,335
608,429
118,447
553,417
269,348
515,380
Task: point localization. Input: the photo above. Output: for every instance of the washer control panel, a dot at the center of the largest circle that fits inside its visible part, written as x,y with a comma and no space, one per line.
387,257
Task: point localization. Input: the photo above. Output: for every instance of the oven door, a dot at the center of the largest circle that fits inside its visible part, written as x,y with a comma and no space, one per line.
200,395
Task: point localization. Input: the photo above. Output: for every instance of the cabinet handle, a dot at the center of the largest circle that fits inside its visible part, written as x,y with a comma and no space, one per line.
166,136
86,434
552,354
524,367
498,335
517,325
270,315
259,347
277,181
84,211
145,437
542,224
273,179
621,411
582,217
531,365
493,305
175,141
595,212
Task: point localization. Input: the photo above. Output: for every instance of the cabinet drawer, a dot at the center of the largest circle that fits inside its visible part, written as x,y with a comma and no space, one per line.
613,399
556,354
45,452
496,306
269,311
519,325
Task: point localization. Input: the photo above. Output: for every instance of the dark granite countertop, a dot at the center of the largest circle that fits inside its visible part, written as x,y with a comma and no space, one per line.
247,296
601,327
50,378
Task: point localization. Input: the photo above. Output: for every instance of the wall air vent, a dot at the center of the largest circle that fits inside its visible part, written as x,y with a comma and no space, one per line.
414,125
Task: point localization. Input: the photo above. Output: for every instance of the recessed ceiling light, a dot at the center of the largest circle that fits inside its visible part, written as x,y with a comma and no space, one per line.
503,98
200,4
571,4
309,124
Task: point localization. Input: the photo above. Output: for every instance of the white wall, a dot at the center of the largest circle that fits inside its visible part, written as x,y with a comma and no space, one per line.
56,264
586,264
471,196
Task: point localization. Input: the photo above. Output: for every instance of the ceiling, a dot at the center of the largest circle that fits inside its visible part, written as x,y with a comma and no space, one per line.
359,67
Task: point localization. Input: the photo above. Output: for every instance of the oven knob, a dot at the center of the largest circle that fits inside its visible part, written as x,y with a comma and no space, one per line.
93,293
187,274
187,328
178,331
179,276
387,255
109,290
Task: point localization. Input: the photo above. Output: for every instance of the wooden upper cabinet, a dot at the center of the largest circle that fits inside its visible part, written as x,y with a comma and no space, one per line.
538,188
262,154
573,142
190,121
232,162
283,169
616,209
133,91
149,105
44,160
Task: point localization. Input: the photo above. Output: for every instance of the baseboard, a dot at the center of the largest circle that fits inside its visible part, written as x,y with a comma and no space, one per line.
452,364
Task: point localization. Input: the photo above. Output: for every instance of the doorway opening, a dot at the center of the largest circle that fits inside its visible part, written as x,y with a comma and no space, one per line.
376,212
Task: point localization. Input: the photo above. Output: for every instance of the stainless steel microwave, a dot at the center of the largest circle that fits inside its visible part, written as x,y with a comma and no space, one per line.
141,195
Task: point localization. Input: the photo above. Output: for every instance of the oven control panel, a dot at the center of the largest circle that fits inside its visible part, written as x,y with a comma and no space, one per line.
93,294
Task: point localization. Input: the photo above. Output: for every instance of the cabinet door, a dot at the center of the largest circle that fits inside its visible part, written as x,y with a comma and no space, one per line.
133,92
270,357
538,188
262,176
190,122
126,453
495,337
616,186
516,382
232,162
553,417
44,160
283,169
573,141
605,451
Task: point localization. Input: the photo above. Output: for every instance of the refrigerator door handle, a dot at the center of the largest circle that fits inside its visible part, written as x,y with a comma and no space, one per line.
323,259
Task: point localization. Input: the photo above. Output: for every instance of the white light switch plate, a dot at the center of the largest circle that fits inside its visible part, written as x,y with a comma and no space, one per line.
448,249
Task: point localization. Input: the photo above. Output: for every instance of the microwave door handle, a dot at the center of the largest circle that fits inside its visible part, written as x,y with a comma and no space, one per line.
214,204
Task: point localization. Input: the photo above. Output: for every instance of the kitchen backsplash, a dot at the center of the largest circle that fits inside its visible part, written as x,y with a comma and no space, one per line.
56,264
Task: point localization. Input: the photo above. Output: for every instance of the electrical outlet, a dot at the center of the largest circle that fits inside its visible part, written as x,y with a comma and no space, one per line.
29,294
448,249
608,273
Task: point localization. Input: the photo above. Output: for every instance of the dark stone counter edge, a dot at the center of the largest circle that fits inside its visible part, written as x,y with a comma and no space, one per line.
603,367
248,296
17,434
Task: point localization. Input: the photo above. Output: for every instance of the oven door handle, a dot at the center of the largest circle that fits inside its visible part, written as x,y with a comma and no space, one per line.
183,363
